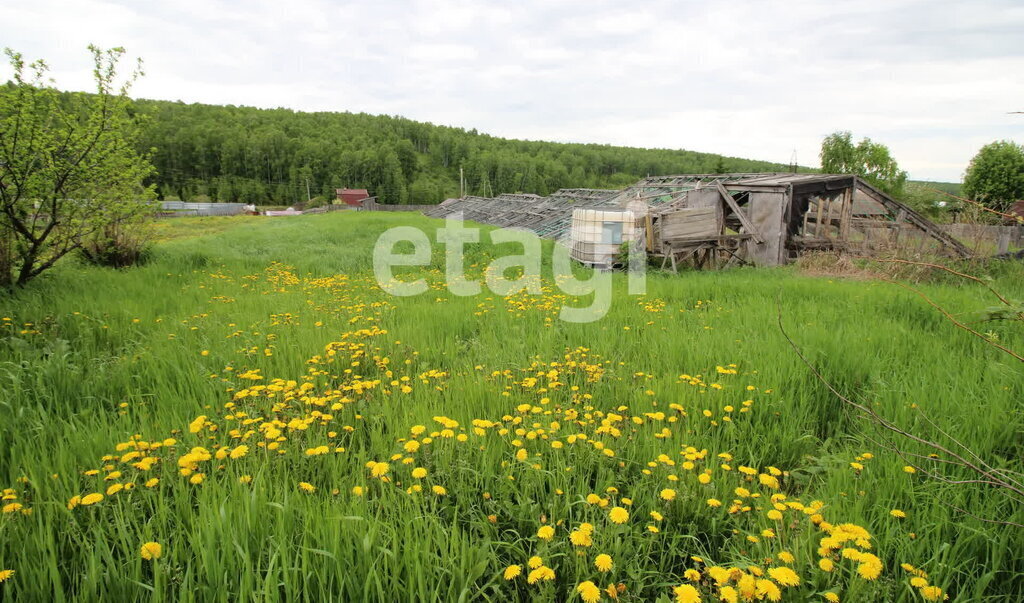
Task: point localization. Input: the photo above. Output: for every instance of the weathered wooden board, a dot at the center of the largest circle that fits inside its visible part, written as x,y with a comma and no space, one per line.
767,213
692,222
703,197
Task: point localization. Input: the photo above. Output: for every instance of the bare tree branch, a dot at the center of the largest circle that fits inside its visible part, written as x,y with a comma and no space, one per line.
956,322
947,269
986,474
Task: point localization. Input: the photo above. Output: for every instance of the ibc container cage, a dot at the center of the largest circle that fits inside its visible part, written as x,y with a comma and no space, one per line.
597,235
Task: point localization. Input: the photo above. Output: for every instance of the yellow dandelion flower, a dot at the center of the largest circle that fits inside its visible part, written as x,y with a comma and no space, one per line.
541,573
580,538
869,570
784,576
512,571
618,515
768,590
667,494
728,594
439,490
546,533
151,551
5,574
589,592
535,562
307,487
91,499
686,594
603,562
419,473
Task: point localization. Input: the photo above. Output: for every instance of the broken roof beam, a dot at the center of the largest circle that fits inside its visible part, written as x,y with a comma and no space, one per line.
912,216
739,213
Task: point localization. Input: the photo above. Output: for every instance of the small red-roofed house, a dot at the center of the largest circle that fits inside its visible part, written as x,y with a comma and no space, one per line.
352,196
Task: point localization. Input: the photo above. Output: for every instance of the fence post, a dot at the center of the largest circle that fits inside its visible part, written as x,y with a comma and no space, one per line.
1003,244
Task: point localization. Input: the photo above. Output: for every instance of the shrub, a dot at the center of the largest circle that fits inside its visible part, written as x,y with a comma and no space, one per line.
121,243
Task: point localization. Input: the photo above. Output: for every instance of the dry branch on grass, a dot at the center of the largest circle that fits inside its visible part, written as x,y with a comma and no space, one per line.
1008,483
956,322
946,269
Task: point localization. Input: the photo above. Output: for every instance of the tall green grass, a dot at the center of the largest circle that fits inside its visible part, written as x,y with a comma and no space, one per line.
93,356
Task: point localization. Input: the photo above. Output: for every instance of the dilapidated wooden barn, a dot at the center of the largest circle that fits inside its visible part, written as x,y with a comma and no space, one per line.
769,219
709,220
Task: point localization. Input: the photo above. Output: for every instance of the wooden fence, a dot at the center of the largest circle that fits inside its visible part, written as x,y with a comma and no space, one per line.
983,240
181,208
372,205
1003,237
323,209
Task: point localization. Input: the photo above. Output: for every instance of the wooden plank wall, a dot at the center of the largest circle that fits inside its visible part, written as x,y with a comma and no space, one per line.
692,222
703,197
767,210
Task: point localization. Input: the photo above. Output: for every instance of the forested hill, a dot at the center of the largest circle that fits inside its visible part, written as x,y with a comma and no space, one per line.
230,153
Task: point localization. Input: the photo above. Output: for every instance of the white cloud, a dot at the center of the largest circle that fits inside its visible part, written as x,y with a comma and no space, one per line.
934,80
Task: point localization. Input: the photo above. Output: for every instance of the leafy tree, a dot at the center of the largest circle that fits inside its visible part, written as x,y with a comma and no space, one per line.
871,160
923,198
995,177
69,168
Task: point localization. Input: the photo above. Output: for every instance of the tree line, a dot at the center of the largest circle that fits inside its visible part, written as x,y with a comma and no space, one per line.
280,156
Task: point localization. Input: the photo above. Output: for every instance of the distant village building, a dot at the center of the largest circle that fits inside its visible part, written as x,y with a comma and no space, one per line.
352,196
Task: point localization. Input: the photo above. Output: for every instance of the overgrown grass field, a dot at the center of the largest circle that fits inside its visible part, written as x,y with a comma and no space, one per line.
249,417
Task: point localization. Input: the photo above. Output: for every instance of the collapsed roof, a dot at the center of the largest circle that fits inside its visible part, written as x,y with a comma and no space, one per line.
784,213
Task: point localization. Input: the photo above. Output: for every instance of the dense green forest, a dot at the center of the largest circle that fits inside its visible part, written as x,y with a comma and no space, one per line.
229,153
279,156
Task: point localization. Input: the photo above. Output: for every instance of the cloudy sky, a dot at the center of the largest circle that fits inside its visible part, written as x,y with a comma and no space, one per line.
934,79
